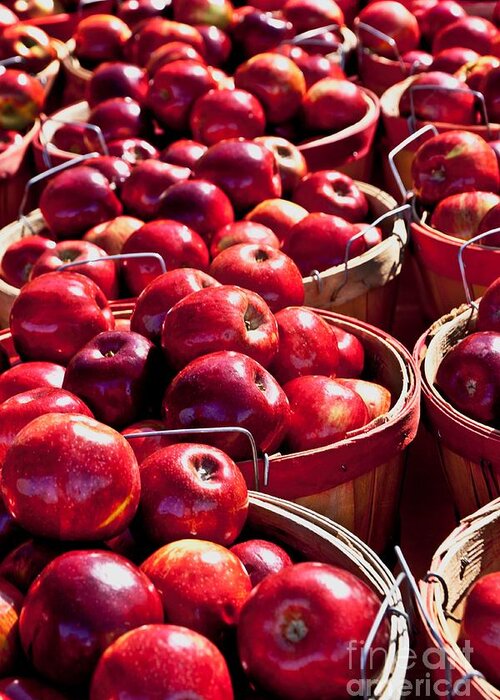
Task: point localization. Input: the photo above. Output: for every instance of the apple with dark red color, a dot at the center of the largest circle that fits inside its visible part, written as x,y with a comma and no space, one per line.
202,584
475,72
418,61
191,666
452,59
351,354
76,138
178,245
395,21
143,191
153,33
279,215
117,79
225,114
20,256
292,165
113,168
254,31
111,235
490,222
242,232
490,88
30,375
261,558
312,14
332,192
461,214
134,12
488,315
21,99
173,51
470,32
455,104
161,295
23,564
100,38
185,152
228,389
376,397
146,445
295,623
331,105
118,118
216,42
133,150
30,43
314,66
438,15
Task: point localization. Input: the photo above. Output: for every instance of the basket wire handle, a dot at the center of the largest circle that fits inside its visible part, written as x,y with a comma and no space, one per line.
118,256
461,262
479,97
12,60
86,125
460,684
397,149
313,37
385,37
210,431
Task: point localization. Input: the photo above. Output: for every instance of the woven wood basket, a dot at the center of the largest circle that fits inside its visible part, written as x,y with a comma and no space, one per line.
471,551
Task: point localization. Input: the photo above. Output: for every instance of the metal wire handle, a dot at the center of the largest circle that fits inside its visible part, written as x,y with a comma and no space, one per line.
12,60
208,431
397,149
86,125
461,263
313,38
385,37
118,256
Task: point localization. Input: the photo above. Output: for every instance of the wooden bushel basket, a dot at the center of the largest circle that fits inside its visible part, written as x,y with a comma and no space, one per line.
471,551
469,450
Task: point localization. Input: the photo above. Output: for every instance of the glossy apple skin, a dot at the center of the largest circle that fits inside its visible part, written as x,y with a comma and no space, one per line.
184,152
376,397
219,318
132,151
351,354
117,374
199,204
469,377
95,456
418,61
100,38
21,99
77,139
322,412
21,409
190,666
245,170
77,199
393,19
114,169
70,305
111,235
109,596
491,90
475,72
279,215
488,316
292,165
242,232
18,688
191,490
118,118
295,618
228,389
30,375
155,32
261,558
438,15
23,564
144,447
460,214
490,221
311,14
474,33
452,59
20,257
178,245
256,32
332,105
202,585
307,345
143,191
331,192
173,51
314,67
276,81
117,79
438,105
263,269
216,12
454,162
161,295
216,42
225,114
11,601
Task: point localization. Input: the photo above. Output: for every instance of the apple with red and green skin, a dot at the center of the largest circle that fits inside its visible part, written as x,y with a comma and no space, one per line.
161,295
242,232
153,33
254,31
147,445
314,67
460,215
178,245
185,152
19,410
376,397
470,32
109,595
332,192
111,235
263,269
261,558
307,345
192,490
191,666
21,99
469,377
173,51
439,105
199,204
219,318
19,688
218,13
452,59
77,199
225,389
475,72
246,170
488,315
100,38
351,354
118,374
331,105
117,79
438,15
225,114
312,14
279,215
11,602
64,450
453,162
292,165
133,150
142,192
216,42
56,314
118,118
30,375
479,626
31,43
202,585
20,256
392,19
295,617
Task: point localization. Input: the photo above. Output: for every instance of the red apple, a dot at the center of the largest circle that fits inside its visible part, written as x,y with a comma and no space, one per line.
11,601
332,192
146,445
454,162
118,118
173,51
279,215
24,563
261,558
459,215
488,315
242,232
351,354
216,42
76,138
132,151
212,12
109,596
224,114
296,618
332,105
438,15
474,33
418,61
100,38
117,79
161,295
202,585
21,99
475,72
178,245
186,664
30,375
255,31
395,21
312,14
438,105
264,270
114,169
157,31
56,314
31,43
452,59
228,389
149,181
20,256
184,152
292,165
111,235
491,90
91,472
376,397
469,377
